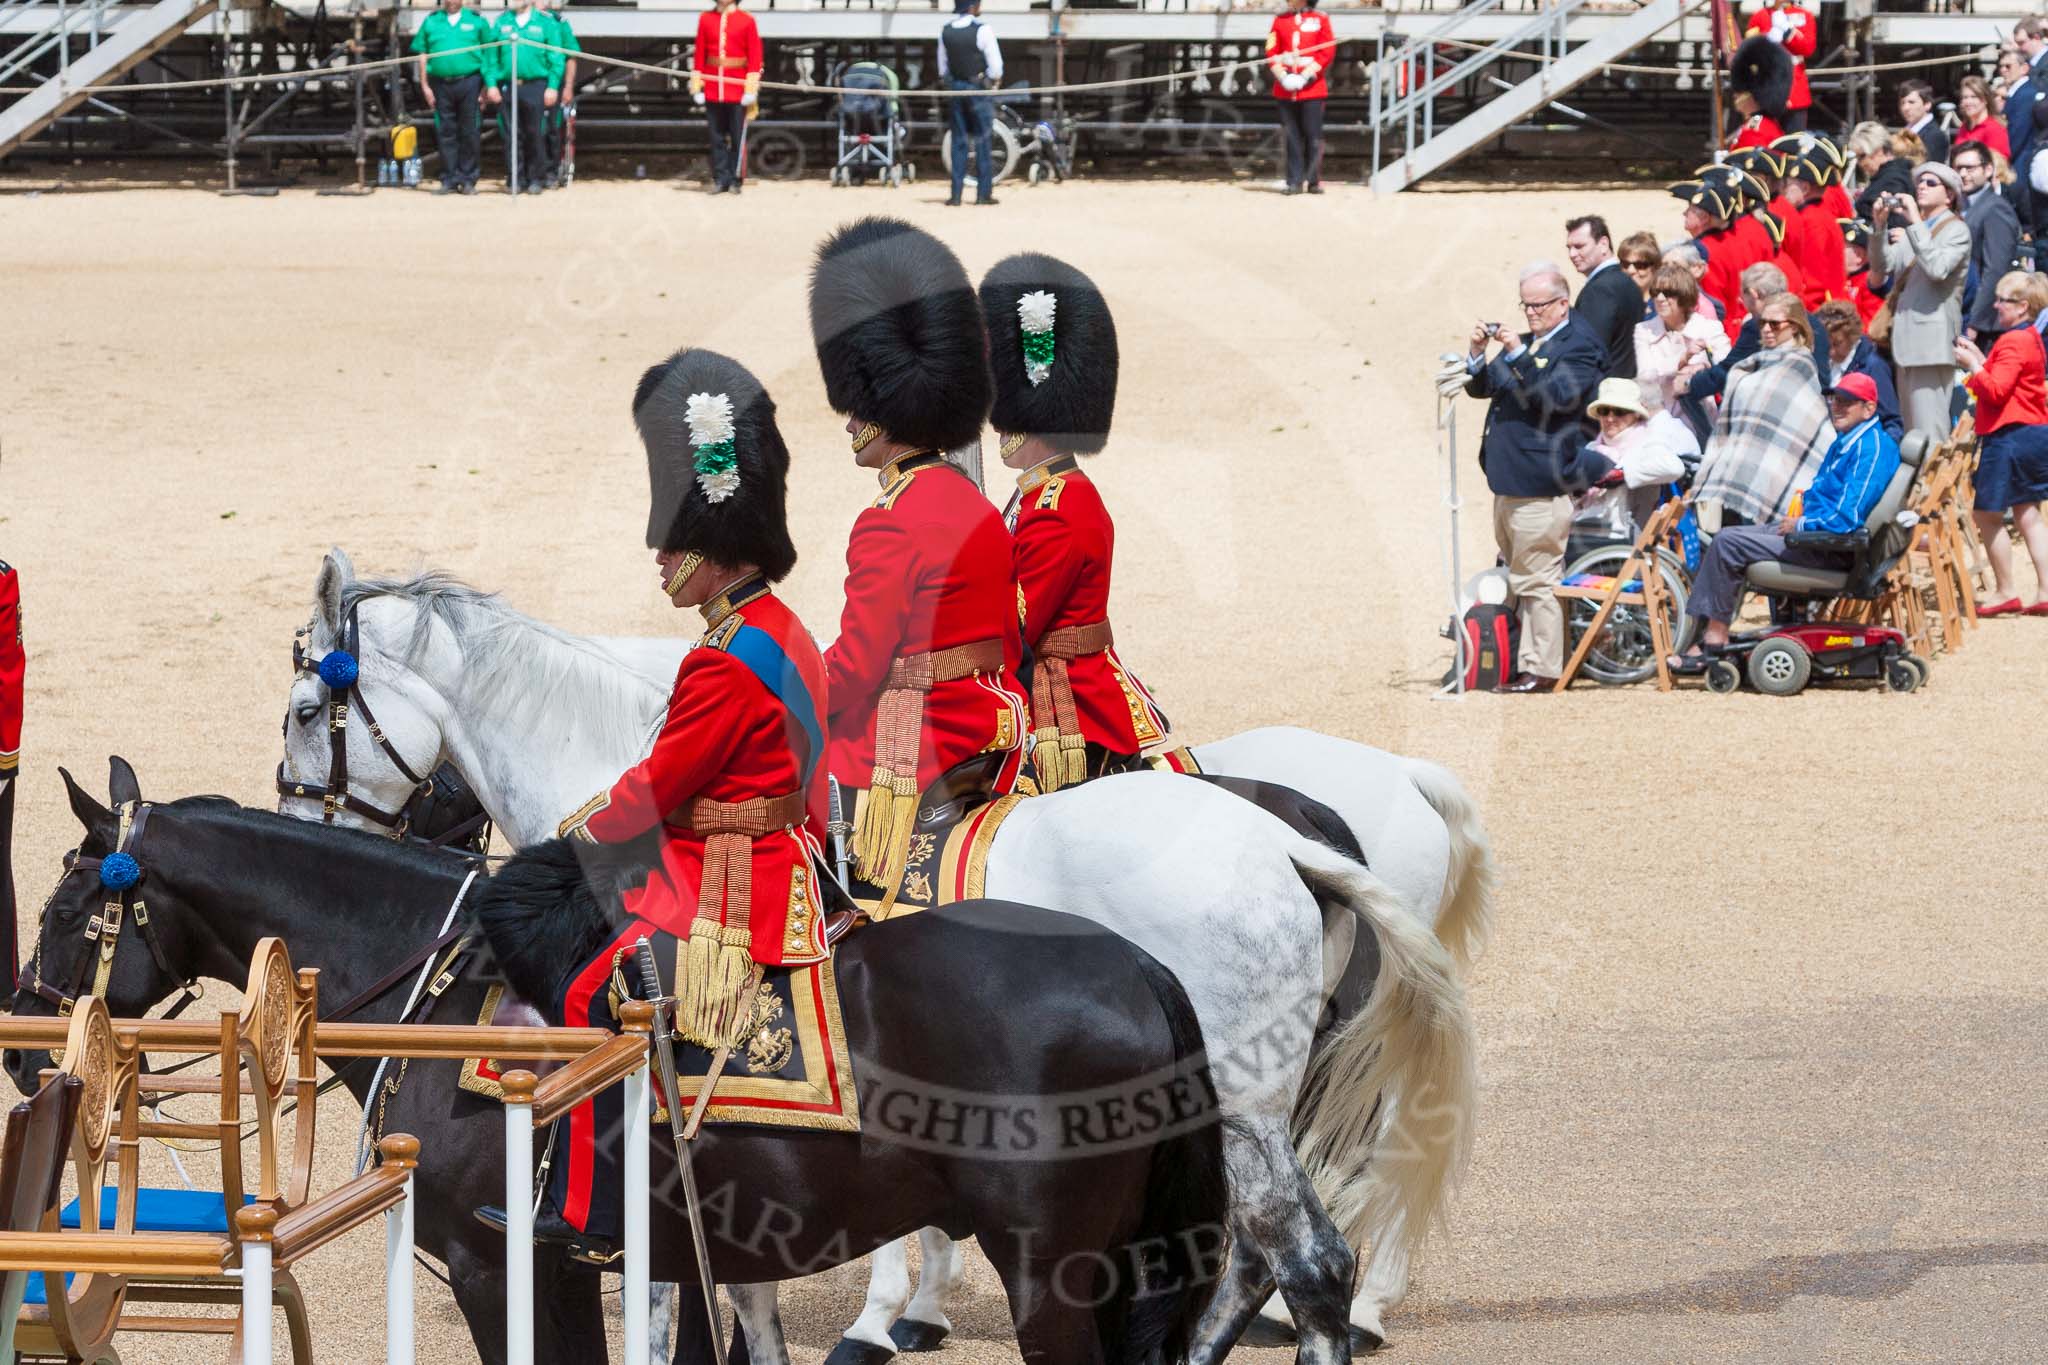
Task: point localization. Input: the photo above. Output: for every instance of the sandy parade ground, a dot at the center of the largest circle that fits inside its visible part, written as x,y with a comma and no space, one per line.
1759,1076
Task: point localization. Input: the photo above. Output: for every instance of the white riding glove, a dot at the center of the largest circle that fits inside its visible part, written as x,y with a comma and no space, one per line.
698,96
748,100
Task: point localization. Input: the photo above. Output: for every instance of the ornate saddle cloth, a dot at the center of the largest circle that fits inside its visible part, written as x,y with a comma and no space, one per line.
957,819
790,1069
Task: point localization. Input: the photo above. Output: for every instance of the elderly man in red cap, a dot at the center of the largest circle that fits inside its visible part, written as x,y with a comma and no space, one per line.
1852,477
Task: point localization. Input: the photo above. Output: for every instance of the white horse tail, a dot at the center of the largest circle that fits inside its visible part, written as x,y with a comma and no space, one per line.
1464,920
1373,1162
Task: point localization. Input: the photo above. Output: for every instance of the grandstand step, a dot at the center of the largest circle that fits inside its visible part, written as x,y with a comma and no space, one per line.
131,37
1552,81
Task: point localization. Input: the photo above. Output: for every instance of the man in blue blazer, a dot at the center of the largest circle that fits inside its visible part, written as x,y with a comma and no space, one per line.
1533,454
2023,117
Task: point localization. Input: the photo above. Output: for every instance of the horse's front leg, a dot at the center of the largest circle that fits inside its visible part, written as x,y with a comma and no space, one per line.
924,1325
757,1336
867,1342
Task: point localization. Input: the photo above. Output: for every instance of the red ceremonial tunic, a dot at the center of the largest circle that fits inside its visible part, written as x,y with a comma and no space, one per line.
13,667
1302,42
1866,302
1064,545
727,738
728,52
1800,39
1795,278
927,568
1758,130
1729,253
1837,202
1814,237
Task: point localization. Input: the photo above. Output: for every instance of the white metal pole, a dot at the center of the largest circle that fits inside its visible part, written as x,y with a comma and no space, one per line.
512,152
635,1300
254,1225
402,1150
519,1216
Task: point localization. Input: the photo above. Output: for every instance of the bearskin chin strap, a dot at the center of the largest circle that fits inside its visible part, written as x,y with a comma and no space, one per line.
881,837
1052,704
717,960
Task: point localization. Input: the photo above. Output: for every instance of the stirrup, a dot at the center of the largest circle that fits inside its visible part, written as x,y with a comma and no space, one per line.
551,1229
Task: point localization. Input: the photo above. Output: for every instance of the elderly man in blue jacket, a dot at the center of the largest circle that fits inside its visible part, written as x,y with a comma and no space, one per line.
1534,456
1852,477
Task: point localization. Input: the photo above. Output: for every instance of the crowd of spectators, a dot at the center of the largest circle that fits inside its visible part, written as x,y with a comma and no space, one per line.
1824,297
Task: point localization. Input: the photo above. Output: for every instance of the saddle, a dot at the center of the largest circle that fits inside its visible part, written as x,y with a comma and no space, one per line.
956,821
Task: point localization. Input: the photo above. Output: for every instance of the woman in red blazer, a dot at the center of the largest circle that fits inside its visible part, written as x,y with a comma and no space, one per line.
2012,428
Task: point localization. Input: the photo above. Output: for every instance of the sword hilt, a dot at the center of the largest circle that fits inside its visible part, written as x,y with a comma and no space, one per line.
650,978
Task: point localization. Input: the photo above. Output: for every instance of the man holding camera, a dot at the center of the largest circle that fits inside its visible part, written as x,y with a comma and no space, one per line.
1533,455
969,59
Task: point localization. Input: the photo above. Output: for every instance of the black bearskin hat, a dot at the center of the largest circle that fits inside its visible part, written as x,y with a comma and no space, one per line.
1071,348
898,333
717,468
1763,70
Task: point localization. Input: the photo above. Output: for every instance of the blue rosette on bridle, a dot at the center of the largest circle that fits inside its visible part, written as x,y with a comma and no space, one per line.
119,871
338,669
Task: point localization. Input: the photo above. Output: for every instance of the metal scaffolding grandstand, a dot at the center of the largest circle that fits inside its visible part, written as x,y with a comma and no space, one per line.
1416,85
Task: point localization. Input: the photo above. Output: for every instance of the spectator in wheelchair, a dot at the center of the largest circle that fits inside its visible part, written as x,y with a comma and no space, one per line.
1851,352
2011,389
1773,425
1852,477
1647,449
1676,339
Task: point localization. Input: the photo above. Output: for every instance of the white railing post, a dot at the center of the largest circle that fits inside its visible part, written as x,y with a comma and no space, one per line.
254,1224
519,1215
403,1151
635,1291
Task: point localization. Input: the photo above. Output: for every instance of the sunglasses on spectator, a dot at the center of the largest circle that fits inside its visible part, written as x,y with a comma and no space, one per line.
1641,264
2008,298
1933,180
1539,307
1771,324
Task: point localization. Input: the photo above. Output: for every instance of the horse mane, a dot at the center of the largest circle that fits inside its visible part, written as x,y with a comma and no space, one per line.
357,844
519,667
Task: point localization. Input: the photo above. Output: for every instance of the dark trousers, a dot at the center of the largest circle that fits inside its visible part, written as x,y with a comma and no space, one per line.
455,127
1302,122
526,163
7,930
972,119
728,123
558,137
1794,121
1718,585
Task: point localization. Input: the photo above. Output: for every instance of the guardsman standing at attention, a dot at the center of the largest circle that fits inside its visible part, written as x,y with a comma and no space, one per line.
1299,49
725,77
13,665
725,788
450,43
1053,358
526,69
924,672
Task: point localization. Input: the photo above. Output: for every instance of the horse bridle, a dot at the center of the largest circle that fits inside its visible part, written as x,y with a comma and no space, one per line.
121,875
340,672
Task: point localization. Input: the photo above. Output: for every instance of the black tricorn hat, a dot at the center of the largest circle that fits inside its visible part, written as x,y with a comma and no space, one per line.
1855,232
1763,70
898,333
1762,162
1741,185
717,468
1072,337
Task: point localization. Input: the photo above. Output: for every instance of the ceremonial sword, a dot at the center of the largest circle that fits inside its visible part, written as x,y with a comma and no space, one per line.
672,1098
837,826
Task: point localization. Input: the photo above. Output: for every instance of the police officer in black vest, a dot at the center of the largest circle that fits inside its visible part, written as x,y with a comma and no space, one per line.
969,59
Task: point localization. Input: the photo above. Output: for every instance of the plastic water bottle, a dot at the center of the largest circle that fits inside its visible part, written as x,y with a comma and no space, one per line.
412,172
384,170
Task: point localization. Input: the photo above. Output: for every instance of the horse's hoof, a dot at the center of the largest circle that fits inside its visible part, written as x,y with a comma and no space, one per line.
1264,1331
1365,1341
911,1335
852,1352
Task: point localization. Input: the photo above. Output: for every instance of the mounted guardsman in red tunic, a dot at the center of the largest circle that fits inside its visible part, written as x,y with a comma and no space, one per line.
1053,359
12,669
924,671
725,789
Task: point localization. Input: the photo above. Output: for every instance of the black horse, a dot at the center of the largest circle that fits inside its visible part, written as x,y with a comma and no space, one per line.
1106,1251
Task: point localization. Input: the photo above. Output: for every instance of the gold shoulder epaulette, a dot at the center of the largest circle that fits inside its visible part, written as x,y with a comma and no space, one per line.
719,636
895,489
1049,494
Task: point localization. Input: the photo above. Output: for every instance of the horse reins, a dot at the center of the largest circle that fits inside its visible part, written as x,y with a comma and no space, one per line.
121,874
340,671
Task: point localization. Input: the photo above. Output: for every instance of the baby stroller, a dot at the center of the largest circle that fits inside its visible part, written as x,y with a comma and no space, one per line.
871,131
